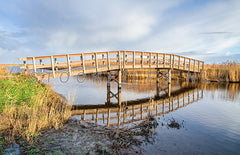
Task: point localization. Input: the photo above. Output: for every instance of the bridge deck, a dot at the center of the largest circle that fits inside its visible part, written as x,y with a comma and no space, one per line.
73,64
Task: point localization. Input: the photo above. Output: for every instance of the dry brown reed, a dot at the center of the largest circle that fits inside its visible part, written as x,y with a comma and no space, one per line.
226,73
44,110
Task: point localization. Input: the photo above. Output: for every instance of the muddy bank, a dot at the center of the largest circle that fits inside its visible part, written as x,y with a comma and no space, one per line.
80,137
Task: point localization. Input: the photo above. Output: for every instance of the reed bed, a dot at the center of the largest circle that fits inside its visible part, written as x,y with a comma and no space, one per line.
27,107
225,72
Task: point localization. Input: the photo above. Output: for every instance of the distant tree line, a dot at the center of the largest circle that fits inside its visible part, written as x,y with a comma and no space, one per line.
229,62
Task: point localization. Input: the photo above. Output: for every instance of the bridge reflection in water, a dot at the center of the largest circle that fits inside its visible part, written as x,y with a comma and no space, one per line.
112,114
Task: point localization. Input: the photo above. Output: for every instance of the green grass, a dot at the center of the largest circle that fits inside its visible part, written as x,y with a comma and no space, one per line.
27,107
19,91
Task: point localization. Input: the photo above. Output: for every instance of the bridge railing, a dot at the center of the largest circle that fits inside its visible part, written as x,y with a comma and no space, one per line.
103,61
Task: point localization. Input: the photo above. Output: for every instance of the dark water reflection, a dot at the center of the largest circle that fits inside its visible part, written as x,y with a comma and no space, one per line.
210,116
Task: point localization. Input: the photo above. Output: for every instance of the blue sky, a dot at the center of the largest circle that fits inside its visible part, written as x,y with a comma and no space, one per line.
208,30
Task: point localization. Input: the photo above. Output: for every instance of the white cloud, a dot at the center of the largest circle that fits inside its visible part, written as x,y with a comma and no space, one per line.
53,27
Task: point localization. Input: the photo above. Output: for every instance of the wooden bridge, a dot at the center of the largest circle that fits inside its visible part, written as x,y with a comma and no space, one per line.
73,64
132,111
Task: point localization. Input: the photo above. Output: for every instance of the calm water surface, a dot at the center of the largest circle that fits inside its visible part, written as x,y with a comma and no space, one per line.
210,125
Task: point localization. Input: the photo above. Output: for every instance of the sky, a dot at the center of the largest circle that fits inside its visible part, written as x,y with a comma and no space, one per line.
208,30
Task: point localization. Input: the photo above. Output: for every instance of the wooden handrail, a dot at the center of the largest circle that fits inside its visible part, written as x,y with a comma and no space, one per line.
115,60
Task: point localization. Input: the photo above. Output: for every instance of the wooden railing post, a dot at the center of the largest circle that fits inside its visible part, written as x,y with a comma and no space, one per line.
55,62
170,61
25,65
83,63
179,62
52,64
173,61
194,66
189,64
184,63
202,65
164,60
134,61
34,65
69,64
124,59
103,59
108,57
41,64
198,66
150,60
96,62
119,59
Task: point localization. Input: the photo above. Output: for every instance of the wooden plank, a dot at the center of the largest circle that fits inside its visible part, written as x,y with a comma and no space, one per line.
108,58
34,65
96,62
124,59
173,61
194,65
164,60
119,59
198,66
170,61
189,64
184,63
134,61
53,70
150,60
41,64
69,64
83,63
179,62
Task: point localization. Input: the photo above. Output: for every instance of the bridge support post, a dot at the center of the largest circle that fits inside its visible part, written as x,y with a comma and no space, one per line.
110,94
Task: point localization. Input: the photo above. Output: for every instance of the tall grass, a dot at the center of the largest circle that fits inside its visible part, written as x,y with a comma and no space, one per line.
228,72
27,107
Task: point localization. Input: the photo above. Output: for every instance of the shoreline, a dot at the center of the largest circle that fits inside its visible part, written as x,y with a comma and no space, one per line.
81,137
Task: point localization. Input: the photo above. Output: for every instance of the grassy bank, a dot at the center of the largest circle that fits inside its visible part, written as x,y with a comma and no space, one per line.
27,107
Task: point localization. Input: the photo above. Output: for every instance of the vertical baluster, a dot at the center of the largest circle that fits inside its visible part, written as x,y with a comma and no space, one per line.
52,64
134,60
69,64
179,62
150,60
34,65
184,63
96,62
108,57
83,63
164,60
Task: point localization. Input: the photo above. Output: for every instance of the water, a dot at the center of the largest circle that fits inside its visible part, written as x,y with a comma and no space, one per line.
210,124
